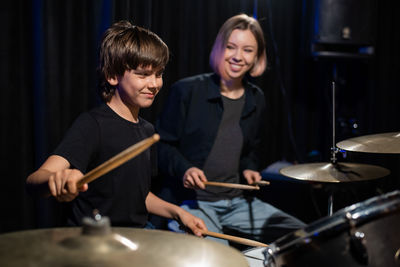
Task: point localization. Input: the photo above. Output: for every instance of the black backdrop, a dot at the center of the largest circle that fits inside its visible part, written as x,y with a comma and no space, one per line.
47,69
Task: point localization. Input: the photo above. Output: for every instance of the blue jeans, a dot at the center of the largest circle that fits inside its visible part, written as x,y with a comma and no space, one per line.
255,218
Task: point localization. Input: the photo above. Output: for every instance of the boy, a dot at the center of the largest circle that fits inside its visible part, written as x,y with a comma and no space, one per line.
132,60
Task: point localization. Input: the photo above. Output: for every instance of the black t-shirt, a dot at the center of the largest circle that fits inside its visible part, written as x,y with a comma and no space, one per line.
120,194
222,164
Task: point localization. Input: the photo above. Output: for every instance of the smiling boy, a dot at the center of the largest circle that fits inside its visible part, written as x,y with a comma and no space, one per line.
132,60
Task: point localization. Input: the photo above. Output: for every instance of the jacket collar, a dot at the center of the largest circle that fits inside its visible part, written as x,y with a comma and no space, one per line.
214,93
213,87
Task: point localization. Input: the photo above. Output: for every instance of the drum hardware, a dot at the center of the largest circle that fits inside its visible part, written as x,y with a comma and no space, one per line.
98,225
269,257
96,243
255,256
357,241
94,230
334,171
357,247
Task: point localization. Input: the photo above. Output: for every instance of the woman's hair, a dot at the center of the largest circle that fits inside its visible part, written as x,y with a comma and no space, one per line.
240,22
126,47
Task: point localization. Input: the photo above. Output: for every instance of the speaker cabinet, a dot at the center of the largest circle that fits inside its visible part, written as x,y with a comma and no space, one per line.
344,27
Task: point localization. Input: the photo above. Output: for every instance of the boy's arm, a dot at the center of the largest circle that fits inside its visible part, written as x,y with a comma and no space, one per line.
55,178
165,209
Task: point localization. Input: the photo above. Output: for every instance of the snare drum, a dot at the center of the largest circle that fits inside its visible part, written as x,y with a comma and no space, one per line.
363,234
255,256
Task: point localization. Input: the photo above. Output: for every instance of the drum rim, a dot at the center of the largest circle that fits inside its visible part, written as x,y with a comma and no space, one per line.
354,215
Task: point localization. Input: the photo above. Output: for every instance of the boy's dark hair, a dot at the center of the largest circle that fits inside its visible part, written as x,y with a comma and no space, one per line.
126,47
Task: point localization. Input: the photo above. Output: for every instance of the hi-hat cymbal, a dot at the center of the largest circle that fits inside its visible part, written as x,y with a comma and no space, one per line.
334,173
121,247
374,143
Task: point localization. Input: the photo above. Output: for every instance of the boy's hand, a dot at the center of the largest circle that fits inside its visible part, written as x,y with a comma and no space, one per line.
194,178
62,184
195,224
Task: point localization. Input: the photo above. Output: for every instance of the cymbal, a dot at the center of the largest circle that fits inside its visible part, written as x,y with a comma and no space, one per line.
374,143
334,173
120,247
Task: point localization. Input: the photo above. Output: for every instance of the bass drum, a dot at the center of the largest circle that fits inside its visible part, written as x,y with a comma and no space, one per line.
363,234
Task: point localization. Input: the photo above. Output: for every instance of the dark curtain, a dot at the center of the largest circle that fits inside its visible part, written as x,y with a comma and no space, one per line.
17,122
48,70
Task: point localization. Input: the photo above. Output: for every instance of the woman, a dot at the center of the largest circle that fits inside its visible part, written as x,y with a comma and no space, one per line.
211,128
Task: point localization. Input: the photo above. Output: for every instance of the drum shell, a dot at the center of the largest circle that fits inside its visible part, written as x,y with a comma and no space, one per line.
332,242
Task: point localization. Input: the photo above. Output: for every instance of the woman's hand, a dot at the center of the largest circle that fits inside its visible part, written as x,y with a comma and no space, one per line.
194,178
251,176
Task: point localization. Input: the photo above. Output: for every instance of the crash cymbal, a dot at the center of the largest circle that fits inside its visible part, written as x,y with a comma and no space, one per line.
374,143
120,247
334,173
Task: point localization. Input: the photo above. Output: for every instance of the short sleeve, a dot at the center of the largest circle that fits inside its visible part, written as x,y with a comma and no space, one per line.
79,145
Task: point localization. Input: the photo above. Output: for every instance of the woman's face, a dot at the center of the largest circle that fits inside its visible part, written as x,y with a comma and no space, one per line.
240,54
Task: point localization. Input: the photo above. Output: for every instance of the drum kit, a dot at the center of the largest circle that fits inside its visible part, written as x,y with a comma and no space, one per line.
337,172
364,234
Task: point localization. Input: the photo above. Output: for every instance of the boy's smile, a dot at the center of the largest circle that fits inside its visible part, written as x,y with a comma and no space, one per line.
140,86
136,89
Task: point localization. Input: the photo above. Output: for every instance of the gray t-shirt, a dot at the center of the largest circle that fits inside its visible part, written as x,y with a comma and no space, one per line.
222,164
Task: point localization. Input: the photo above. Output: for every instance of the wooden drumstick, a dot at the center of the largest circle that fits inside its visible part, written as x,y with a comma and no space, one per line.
236,239
118,159
231,185
261,183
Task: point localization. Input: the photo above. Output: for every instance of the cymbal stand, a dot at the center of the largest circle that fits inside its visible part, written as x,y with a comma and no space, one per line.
334,149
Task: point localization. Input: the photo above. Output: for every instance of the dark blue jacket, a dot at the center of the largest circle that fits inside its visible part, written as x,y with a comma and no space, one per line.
189,123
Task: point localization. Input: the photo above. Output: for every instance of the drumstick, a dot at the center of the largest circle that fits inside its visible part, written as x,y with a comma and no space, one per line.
261,183
230,185
236,239
118,159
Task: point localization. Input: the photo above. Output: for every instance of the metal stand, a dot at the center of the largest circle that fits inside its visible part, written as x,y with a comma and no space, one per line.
330,204
334,149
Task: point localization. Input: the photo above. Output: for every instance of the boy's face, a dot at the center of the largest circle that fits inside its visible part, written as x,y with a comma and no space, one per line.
139,87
